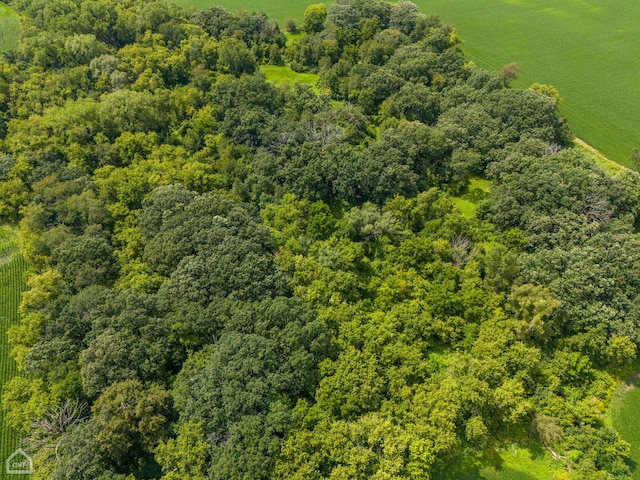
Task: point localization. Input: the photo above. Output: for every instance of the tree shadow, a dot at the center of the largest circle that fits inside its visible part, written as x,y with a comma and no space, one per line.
476,195
470,468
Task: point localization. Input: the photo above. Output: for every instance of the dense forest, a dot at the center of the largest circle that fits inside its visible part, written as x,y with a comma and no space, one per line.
236,279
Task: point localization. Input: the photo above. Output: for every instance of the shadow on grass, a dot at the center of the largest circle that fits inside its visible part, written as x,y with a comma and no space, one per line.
462,468
517,456
470,197
475,195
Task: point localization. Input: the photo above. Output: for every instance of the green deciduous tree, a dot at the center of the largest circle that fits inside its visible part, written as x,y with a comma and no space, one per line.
314,17
132,420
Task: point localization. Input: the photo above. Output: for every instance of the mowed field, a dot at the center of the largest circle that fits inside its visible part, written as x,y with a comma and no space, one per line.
585,48
12,283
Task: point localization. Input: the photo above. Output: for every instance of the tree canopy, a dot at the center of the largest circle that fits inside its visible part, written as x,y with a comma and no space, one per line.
235,278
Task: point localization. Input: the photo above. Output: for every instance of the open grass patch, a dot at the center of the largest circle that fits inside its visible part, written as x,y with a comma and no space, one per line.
476,191
481,184
282,74
466,207
515,462
9,28
624,416
523,464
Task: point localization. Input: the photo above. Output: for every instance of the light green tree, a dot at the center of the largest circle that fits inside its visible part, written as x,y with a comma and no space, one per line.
314,17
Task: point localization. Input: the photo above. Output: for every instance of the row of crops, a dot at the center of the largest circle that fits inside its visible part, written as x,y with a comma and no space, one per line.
12,283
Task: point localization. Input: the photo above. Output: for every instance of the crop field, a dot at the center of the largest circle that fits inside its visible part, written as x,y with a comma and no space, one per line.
12,283
9,26
586,49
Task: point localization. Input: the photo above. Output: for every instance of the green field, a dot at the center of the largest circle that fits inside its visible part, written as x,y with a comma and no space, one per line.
9,25
624,414
12,283
584,48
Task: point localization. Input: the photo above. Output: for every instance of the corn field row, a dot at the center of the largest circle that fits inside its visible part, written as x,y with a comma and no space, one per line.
12,283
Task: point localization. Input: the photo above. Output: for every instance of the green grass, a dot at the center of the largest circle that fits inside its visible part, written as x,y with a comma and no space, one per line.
9,28
480,184
510,463
280,74
522,464
466,207
12,283
624,415
467,201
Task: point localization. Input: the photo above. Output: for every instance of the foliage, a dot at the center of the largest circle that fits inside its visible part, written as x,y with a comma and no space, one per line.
248,279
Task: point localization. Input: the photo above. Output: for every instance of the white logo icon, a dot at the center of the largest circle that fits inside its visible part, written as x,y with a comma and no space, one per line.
19,463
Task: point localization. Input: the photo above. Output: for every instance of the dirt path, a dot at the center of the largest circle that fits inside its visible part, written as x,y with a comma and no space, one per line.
629,383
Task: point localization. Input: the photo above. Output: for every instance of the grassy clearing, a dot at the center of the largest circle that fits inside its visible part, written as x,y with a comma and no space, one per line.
12,283
283,74
467,201
623,415
523,464
9,28
511,463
